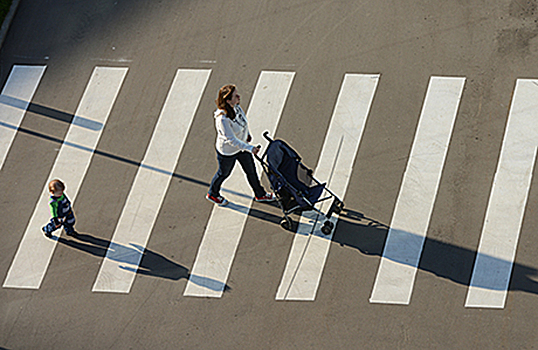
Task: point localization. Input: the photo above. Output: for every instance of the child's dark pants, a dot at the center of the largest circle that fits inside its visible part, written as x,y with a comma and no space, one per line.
67,222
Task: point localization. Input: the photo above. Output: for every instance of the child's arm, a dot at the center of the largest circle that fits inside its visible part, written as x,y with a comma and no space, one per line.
54,212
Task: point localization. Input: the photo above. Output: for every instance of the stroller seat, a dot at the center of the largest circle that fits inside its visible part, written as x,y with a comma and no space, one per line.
285,162
295,187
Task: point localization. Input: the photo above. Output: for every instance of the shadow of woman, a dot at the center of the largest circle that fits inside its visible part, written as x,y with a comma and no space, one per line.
151,263
440,258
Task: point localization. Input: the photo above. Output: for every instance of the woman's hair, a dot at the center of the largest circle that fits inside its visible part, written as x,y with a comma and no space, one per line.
225,94
56,185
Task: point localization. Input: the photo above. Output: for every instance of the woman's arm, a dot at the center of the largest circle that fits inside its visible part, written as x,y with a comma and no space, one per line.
224,127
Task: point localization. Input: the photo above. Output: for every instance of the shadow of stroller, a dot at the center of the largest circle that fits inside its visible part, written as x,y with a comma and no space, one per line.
440,258
151,263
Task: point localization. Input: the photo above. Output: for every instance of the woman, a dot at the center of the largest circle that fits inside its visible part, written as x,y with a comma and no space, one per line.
232,144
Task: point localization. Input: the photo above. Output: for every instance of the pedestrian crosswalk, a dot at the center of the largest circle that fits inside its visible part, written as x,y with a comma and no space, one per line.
508,198
398,267
35,251
15,99
226,224
307,257
310,247
149,187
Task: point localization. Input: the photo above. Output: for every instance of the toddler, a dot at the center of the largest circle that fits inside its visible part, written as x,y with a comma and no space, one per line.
60,209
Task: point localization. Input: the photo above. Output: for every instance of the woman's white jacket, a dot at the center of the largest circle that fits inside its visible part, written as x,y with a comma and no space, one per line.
232,135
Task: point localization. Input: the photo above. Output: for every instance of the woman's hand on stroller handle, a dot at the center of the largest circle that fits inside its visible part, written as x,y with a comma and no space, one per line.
256,149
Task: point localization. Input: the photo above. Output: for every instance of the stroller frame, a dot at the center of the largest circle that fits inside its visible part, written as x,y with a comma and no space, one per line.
337,204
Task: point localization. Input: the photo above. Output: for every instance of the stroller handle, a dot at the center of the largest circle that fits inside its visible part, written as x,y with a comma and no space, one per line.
266,135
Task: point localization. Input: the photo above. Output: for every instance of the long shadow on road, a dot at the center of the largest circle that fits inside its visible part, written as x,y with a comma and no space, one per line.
440,258
152,264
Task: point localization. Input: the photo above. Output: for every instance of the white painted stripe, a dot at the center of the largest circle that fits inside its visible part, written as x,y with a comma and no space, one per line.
225,227
144,202
397,270
35,251
310,247
14,101
508,198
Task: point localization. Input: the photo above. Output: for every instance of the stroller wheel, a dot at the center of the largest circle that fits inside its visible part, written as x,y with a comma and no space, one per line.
327,227
337,207
285,224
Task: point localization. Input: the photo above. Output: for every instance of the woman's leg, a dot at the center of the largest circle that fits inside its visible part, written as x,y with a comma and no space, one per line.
247,163
226,164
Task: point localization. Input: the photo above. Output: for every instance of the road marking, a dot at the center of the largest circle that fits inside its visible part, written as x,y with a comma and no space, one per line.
397,270
14,101
310,247
225,227
35,251
118,270
507,202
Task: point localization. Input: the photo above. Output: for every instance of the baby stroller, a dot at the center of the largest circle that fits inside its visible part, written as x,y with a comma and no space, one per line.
295,187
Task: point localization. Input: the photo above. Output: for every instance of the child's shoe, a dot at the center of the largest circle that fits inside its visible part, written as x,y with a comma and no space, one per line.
47,234
71,233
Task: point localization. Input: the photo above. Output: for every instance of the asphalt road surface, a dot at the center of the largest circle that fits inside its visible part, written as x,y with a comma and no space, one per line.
421,115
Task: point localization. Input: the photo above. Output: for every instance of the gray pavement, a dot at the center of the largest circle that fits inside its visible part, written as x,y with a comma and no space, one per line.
491,43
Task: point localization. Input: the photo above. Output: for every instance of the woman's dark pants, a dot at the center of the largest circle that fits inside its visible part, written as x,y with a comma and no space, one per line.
226,165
